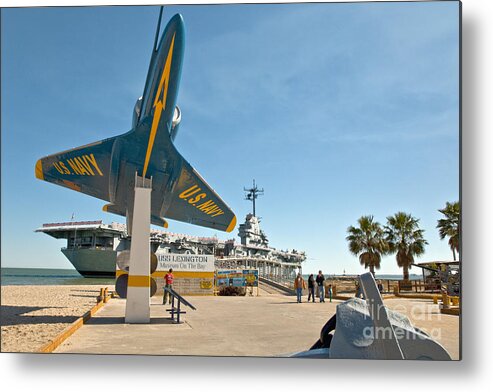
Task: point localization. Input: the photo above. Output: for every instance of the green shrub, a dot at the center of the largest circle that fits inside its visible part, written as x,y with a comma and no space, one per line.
232,291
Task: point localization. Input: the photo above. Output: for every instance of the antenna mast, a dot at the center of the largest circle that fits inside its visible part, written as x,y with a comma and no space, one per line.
252,194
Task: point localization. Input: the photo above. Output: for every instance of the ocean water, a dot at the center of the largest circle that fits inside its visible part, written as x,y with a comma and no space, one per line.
45,276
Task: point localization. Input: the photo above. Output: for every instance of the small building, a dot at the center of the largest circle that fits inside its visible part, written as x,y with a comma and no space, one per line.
441,276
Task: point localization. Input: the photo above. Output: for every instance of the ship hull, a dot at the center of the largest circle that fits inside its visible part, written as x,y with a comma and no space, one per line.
92,263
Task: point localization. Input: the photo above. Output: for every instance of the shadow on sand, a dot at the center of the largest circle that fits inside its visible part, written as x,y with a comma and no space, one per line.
16,315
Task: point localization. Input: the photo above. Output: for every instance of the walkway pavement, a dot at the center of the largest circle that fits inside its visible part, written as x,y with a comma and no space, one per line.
267,325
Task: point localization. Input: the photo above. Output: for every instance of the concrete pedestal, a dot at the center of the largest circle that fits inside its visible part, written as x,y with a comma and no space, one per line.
138,294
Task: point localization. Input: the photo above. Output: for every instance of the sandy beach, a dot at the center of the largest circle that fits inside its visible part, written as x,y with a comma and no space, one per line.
33,315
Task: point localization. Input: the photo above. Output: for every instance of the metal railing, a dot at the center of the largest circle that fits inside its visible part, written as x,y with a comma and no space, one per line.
282,280
279,286
177,310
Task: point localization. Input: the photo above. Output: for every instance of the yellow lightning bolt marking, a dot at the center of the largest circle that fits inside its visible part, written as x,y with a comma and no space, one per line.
159,103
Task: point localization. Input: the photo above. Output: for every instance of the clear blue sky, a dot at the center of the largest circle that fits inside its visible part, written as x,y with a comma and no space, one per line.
337,111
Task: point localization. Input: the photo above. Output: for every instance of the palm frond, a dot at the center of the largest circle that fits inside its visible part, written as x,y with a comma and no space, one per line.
449,226
404,238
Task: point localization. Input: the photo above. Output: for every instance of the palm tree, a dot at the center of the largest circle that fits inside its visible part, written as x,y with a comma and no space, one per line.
367,242
404,238
450,225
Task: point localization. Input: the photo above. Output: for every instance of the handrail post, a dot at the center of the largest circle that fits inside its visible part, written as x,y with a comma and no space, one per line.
172,306
100,296
178,314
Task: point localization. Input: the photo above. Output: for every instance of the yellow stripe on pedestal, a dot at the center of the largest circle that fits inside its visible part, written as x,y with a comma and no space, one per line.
139,281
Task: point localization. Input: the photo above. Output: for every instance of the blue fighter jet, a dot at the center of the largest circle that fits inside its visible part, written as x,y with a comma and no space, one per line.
107,169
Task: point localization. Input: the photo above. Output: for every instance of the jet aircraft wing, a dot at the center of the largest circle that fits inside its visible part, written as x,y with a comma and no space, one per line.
194,201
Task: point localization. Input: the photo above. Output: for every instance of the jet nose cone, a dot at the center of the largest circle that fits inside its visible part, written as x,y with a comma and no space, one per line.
177,20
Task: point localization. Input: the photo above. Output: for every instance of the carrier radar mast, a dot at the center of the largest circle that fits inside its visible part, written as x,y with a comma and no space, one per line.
252,194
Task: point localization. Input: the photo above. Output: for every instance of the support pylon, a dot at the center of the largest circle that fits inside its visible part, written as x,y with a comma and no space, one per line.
138,308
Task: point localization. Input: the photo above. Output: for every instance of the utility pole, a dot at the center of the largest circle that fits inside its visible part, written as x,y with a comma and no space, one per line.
252,194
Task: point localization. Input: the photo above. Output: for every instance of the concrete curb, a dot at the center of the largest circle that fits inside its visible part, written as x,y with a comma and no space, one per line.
67,332
453,311
416,296
343,297
346,297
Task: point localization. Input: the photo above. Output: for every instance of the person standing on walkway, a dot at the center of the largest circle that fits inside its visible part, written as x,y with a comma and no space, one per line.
359,292
311,288
329,292
168,283
321,287
299,285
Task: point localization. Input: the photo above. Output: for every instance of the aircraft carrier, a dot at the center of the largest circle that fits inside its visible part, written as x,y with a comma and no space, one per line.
92,247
